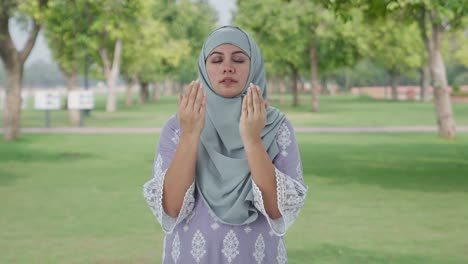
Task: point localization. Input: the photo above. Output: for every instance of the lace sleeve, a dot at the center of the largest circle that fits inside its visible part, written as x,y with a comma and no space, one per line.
153,189
290,187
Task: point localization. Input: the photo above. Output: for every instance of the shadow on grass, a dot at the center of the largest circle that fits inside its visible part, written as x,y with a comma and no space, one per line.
332,254
19,153
434,167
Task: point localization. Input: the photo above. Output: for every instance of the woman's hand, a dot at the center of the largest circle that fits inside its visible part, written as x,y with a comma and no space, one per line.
253,116
191,110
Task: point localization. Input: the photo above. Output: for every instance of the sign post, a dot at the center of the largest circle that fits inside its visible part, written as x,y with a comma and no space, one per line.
47,100
81,100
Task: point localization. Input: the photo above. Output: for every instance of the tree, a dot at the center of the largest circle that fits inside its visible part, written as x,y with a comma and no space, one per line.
395,46
13,60
302,36
442,16
66,32
109,24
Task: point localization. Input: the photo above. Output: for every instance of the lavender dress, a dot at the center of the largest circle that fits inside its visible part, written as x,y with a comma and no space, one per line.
197,235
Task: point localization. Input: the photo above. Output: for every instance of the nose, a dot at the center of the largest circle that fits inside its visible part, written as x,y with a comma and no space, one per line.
228,67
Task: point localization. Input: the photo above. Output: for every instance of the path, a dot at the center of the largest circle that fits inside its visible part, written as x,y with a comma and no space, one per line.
145,130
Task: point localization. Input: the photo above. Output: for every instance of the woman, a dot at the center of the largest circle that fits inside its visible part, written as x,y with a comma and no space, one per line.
227,179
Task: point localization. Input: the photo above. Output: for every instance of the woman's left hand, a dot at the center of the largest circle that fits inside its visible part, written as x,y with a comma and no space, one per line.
253,116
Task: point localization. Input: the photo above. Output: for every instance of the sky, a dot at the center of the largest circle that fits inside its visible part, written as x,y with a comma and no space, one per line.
41,51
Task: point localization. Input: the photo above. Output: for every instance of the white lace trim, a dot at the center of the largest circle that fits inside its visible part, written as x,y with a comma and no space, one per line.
283,138
291,196
277,225
153,193
299,171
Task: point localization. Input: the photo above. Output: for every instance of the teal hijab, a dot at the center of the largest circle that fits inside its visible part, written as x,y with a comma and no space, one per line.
222,172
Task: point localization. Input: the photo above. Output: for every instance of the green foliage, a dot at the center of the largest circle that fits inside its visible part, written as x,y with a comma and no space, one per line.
188,23
395,45
286,29
67,33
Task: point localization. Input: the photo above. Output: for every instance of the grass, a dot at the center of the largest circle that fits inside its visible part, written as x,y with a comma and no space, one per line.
348,110
373,198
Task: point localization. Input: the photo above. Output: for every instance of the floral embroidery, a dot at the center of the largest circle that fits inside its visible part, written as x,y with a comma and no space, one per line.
176,137
291,197
247,229
152,190
230,246
198,246
283,138
215,226
175,248
299,171
259,253
153,193
281,258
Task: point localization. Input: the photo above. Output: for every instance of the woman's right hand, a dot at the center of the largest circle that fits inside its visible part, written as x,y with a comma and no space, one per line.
191,110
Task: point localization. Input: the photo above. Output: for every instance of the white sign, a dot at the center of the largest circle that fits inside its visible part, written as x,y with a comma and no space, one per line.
80,100
47,100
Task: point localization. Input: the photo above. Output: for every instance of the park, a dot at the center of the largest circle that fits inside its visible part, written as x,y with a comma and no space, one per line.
386,167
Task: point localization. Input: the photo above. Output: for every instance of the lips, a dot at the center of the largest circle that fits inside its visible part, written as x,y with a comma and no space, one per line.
228,80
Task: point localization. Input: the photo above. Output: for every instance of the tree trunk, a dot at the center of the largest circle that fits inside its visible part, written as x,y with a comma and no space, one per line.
156,91
13,61
347,83
425,82
293,83
394,81
282,90
144,92
443,104
131,81
112,73
73,114
425,67
12,113
313,77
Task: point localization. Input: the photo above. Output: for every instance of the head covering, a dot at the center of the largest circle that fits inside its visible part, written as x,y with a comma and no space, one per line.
222,171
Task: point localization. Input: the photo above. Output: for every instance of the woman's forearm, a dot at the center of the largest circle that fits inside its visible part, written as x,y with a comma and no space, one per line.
180,174
263,174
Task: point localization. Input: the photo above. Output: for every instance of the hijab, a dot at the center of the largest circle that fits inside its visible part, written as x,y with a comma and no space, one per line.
222,172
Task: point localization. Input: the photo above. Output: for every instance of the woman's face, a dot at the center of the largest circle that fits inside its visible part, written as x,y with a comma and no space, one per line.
228,69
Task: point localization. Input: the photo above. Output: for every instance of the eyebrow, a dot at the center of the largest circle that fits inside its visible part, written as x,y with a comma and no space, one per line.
235,52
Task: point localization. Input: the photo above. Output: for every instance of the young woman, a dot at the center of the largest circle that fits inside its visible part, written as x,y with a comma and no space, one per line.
227,178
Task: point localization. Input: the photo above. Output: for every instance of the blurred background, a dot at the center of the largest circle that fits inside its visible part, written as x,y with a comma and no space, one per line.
376,90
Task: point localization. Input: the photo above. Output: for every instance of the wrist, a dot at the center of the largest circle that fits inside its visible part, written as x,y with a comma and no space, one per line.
252,142
190,137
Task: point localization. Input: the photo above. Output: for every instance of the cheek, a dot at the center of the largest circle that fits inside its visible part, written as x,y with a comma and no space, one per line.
212,75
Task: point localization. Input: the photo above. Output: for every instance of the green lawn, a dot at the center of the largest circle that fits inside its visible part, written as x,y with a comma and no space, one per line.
373,198
345,110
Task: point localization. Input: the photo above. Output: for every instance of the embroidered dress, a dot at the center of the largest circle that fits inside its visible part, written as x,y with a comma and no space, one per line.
197,235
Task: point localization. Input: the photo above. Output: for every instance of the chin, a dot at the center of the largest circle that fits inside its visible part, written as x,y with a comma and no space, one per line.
229,93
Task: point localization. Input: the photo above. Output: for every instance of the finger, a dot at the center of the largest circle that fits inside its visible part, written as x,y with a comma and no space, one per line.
203,106
257,100
250,107
244,106
187,94
192,94
198,99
